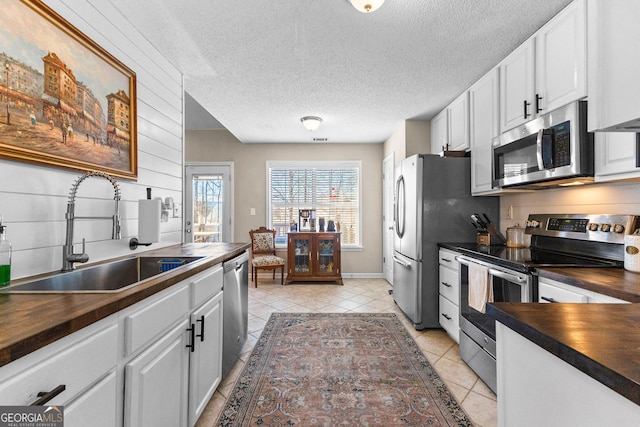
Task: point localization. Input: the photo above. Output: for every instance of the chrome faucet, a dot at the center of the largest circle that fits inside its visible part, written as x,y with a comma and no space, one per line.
68,256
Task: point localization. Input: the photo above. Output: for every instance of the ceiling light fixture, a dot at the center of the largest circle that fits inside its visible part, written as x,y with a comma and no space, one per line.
366,6
311,122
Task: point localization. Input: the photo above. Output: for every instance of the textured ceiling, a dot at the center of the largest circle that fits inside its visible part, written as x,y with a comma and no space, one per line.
258,66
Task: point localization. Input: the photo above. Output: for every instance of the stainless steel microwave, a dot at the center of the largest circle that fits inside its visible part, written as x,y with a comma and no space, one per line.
551,150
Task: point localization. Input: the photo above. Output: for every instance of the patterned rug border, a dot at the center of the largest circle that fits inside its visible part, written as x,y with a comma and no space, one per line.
443,398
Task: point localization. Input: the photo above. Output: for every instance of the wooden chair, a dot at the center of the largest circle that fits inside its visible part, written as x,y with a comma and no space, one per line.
263,253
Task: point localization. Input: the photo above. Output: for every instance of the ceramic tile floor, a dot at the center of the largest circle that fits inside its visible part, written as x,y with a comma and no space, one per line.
365,296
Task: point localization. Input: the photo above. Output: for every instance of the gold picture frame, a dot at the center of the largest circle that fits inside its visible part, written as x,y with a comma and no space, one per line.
64,100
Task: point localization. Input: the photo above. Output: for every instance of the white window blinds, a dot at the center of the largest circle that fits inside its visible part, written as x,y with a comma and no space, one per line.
331,188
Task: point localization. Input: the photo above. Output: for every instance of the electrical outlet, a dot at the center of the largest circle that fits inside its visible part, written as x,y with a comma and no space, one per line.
252,211
510,212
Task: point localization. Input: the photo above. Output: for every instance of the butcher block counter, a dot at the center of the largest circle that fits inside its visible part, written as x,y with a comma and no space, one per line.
615,282
31,321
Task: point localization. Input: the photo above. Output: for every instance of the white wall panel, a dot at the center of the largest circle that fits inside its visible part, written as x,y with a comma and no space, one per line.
33,198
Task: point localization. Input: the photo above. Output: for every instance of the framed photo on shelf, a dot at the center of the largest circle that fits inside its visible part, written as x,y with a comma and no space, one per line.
306,219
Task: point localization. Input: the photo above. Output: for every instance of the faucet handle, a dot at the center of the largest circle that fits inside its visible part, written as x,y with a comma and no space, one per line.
83,256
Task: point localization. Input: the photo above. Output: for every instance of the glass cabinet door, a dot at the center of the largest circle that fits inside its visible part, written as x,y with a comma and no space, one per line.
301,247
326,255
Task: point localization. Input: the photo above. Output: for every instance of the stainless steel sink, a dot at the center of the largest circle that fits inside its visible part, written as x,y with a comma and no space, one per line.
103,278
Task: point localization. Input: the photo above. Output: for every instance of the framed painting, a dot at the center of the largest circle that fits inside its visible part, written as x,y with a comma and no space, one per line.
64,100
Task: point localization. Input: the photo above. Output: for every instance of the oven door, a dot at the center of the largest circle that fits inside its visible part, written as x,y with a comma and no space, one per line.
508,286
478,330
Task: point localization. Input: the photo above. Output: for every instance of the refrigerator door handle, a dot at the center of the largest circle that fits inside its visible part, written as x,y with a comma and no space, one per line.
402,263
400,216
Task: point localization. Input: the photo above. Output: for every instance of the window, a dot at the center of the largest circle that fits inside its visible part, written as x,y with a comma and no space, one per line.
331,188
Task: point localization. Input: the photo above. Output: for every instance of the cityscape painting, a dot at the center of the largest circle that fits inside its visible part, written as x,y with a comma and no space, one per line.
64,101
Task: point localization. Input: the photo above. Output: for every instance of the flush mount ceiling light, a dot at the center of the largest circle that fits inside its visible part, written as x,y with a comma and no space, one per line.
311,122
366,6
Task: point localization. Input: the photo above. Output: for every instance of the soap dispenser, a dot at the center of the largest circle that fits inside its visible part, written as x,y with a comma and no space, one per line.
5,257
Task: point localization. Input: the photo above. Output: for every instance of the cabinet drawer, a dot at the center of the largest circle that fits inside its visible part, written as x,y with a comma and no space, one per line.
150,318
205,285
448,258
77,361
448,283
450,318
550,293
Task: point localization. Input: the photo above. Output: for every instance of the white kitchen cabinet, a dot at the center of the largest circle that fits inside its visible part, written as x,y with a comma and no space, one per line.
439,132
450,127
449,288
156,382
536,388
615,156
205,364
95,407
459,123
483,127
614,61
80,361
547,71
550,290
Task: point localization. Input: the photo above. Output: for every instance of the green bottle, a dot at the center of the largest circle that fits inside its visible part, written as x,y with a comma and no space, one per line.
5,257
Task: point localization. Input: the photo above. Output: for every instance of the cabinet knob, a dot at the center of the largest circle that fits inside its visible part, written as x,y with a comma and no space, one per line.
538,99
526,112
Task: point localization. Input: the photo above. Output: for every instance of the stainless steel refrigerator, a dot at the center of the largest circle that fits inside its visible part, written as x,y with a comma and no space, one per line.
433,204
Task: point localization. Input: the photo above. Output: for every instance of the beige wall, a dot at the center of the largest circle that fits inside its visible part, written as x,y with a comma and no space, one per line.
250,185
411,137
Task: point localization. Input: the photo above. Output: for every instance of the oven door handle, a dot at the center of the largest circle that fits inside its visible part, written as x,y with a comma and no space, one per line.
507,276
463,260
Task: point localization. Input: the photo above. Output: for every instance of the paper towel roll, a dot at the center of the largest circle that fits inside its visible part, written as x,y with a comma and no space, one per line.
149,220
632,253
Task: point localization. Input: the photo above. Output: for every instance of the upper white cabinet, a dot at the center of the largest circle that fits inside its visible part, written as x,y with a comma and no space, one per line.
616,156
459,123
547,71
614,61
483,127
450,128
439,132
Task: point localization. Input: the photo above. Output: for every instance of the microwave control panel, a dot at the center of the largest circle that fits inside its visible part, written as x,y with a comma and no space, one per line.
562,144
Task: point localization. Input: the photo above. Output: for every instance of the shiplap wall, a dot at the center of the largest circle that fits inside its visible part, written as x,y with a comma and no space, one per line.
33,198
609,198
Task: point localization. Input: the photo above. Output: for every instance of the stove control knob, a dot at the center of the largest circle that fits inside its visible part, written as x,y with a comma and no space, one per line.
605,227
618,228
593,226
533,223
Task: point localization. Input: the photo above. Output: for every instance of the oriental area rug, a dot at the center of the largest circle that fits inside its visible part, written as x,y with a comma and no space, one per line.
339,369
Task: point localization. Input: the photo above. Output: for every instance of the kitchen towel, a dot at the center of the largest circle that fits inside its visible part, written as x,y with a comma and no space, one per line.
149,212
480,289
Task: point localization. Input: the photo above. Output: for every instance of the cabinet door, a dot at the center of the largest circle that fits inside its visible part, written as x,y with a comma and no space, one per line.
483,127
439,132
156,382
516,86
205,365
459,123
327,254
615,156
614,61
561,59
96,407
300,252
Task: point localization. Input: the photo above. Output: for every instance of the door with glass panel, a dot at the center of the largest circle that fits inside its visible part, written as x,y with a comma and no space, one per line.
208,202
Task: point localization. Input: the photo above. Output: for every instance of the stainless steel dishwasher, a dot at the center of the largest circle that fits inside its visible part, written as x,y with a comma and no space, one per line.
235,309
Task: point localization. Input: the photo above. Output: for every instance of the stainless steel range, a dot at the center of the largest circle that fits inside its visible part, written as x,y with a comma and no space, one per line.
562,240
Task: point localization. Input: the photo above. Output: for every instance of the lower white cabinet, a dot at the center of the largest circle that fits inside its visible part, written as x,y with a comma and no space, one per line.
550,290
449,288
205,364
155,363
156,382
95,407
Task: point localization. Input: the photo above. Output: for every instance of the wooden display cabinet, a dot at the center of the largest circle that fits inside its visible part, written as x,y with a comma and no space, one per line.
313,257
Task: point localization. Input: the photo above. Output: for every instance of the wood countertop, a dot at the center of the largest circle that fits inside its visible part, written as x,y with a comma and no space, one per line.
601,340
31,321
614,282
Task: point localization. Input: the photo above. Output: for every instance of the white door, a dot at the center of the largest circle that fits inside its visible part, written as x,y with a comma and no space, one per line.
388,181
208,202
